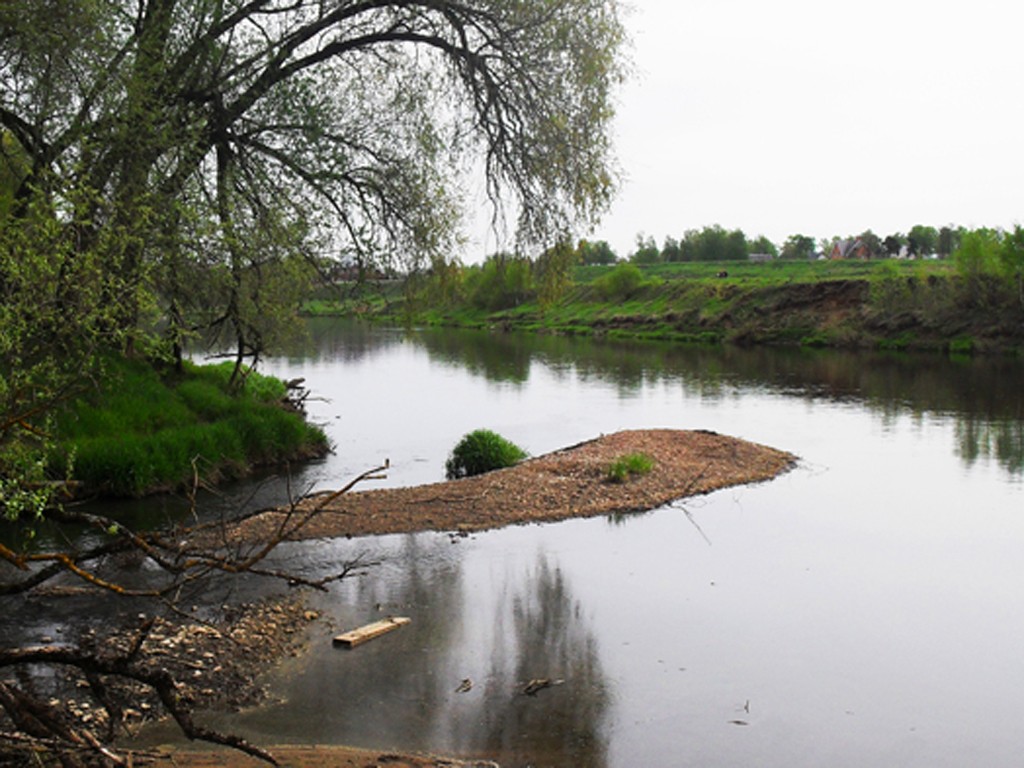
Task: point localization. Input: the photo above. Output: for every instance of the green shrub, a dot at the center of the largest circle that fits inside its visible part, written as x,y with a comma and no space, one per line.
264,389
115,466
620,282
898,343
271,434
481,451
630,465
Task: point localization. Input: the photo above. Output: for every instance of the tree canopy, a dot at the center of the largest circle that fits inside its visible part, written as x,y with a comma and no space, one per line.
596,252
922,240
365,108
236,133
177,166
798,247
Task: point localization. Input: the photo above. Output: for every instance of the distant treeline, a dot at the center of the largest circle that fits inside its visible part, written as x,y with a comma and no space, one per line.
715,243
982,258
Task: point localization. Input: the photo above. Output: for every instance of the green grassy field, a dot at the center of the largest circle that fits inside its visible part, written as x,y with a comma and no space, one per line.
780,271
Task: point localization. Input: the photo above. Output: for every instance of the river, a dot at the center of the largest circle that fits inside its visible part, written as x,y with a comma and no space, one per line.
864,609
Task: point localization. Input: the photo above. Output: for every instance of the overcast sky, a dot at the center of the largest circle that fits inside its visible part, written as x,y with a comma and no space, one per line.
820,118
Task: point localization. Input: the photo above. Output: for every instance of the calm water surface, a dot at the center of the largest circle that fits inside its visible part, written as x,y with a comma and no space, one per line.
863,610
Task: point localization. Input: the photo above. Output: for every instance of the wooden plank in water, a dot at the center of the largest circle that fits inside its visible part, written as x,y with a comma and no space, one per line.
358,636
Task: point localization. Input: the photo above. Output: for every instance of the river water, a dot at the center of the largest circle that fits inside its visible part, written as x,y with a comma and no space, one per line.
864,609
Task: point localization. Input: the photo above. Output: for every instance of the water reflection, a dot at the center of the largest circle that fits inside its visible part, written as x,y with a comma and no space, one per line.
383,691
542,634
493,623
1002,440
983,395
330,339
498,357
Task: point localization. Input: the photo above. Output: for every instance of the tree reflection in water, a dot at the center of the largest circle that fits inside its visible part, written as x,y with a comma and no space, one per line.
402,690
541,632
983,394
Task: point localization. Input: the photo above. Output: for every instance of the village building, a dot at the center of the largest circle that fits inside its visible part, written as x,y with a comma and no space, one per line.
850,248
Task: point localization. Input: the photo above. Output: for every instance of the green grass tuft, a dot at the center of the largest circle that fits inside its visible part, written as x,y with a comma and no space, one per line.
628,466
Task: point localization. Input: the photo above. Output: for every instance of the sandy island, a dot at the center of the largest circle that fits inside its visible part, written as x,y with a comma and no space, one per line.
567,483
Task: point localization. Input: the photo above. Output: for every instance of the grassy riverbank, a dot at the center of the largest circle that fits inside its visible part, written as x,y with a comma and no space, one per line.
853,304
145,429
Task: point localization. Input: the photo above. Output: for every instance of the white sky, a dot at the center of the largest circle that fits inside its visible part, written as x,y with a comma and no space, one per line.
811,117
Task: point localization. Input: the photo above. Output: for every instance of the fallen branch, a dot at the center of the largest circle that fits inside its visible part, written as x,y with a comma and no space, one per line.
182,556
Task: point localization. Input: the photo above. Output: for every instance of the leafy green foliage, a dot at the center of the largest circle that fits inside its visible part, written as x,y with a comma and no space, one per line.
596,252
628,466
337,147
24,489
59,305
713,243
978,253
620,282
142,431
646,251
482,451
979,265
893,244
14,167
922,240
762,244
890,292
553,274
445,283
949,241
798,247
1011,261
963,345
502,282
840,303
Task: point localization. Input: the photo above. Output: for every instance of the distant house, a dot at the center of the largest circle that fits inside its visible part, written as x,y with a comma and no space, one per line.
851,248
760,258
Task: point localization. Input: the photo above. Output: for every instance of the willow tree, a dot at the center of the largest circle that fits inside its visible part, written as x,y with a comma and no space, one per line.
171,166
185,164
213,127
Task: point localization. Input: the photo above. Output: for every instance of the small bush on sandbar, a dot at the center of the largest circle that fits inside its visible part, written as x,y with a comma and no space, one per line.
481,451
630,465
